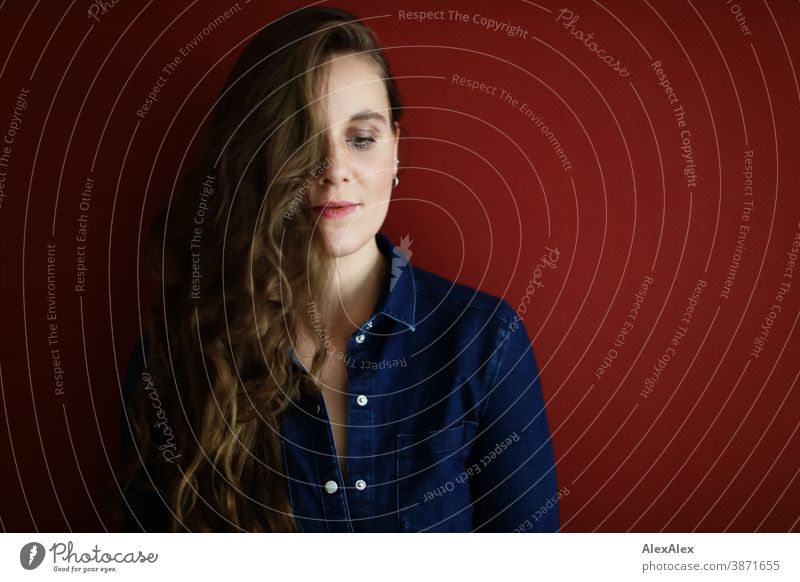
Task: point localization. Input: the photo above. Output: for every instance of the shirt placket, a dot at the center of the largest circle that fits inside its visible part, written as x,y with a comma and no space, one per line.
342,500
360,420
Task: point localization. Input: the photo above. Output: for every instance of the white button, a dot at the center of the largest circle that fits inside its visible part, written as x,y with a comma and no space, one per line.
317,407
369,324
361,484
361,399
331,487
360,338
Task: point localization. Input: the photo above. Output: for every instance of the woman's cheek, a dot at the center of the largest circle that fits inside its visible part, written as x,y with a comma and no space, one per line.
378,179
376,207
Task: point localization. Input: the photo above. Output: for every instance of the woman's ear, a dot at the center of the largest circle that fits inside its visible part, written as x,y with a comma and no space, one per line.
396,138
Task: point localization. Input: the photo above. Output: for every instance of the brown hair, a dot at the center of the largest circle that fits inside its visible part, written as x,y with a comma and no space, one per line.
217,352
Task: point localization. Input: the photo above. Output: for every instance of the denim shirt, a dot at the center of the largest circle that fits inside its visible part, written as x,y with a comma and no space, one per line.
446,425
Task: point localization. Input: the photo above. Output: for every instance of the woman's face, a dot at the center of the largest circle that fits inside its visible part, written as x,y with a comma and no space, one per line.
355,184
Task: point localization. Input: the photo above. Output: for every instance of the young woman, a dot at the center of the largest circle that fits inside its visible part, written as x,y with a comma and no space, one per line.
298,374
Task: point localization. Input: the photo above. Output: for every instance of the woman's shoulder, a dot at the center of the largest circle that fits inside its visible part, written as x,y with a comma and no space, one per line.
438,296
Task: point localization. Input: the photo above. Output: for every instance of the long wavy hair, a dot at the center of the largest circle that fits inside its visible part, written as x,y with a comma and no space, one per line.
235,261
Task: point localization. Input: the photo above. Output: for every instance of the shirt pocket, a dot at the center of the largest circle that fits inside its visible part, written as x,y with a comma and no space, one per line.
433,492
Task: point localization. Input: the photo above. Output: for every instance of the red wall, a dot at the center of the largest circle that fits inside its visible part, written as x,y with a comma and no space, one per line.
711,446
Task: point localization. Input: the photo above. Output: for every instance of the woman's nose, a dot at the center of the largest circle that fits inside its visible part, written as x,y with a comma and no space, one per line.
337,166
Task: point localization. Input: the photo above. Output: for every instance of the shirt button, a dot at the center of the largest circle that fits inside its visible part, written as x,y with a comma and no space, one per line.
361,484
331,487
361,399
369,324
317,407
360,338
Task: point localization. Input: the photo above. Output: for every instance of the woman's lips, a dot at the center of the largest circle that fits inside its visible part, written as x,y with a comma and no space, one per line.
337,210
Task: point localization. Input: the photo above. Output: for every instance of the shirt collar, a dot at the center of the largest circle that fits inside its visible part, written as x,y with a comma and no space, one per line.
398,298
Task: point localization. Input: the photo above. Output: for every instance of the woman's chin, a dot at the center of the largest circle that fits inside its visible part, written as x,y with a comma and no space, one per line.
342,244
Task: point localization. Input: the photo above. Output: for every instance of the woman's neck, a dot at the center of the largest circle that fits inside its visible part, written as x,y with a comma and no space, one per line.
358,280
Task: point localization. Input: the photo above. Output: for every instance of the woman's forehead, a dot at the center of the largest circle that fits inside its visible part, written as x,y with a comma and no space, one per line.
354,90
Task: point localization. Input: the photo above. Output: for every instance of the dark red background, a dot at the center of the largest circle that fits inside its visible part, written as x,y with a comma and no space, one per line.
713,448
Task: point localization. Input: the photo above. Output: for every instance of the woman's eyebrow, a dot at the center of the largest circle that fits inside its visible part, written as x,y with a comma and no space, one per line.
363,115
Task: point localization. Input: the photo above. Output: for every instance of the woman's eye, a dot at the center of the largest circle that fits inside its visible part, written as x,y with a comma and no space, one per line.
361,142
